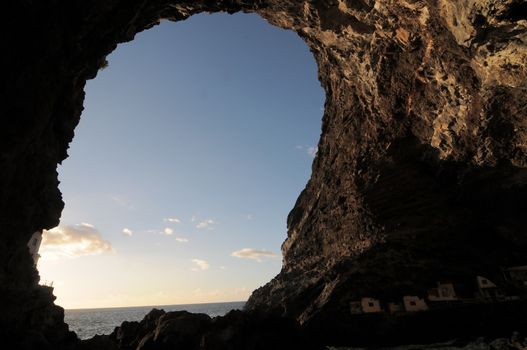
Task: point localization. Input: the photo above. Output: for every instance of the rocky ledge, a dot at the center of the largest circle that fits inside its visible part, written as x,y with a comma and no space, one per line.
515,342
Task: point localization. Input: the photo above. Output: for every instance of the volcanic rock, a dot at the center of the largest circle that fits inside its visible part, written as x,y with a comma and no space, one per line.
420,174
183,330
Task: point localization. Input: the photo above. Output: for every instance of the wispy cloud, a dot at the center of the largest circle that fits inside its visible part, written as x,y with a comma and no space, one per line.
181,239
253,254
200,265
73,241
172,220
120,200
205,224
167,231
310,150
127,231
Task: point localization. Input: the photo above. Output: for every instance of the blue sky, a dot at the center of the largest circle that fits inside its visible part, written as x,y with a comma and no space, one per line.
197,139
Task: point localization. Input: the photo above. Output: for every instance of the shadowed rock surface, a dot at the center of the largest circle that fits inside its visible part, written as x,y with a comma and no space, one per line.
421,167
184,330
515,342
243,330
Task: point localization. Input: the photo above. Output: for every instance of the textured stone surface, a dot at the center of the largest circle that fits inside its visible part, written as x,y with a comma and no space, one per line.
421,169
182,330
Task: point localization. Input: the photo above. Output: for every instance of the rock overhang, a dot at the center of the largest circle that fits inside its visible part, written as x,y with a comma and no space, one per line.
420,172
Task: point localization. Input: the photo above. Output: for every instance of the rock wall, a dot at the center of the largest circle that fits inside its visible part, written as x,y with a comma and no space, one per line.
421,170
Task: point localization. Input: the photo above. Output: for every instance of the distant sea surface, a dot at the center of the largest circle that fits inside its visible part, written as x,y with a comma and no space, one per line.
89,322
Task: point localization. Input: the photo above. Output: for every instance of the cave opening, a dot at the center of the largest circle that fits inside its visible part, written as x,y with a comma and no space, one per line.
193,146
420,176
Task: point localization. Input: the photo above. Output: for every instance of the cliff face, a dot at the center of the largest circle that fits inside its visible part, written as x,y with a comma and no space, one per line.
420,173
421,169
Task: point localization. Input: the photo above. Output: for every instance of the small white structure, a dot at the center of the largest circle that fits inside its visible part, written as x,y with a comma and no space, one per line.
34,245
485,283
365,306
413,303
443,292
370,305
488,289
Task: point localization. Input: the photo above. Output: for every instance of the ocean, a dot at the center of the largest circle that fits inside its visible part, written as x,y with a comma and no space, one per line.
89,322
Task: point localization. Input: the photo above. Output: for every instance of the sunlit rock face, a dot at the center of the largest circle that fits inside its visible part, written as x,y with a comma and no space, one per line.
421,168
420,174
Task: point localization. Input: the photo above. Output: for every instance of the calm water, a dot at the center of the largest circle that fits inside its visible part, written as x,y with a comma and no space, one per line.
88,322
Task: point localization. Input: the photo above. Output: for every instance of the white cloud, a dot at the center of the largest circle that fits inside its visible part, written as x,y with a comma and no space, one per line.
312,151
250,216
167,231
181,239
122,202
253,254
172,220
193,218
205,224
127,231
73,241
200,264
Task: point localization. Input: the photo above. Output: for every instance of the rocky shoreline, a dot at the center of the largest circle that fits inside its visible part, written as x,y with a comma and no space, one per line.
242,330
184,330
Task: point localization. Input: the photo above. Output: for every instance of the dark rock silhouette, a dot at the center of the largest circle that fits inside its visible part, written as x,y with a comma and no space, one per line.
421,167
184,330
